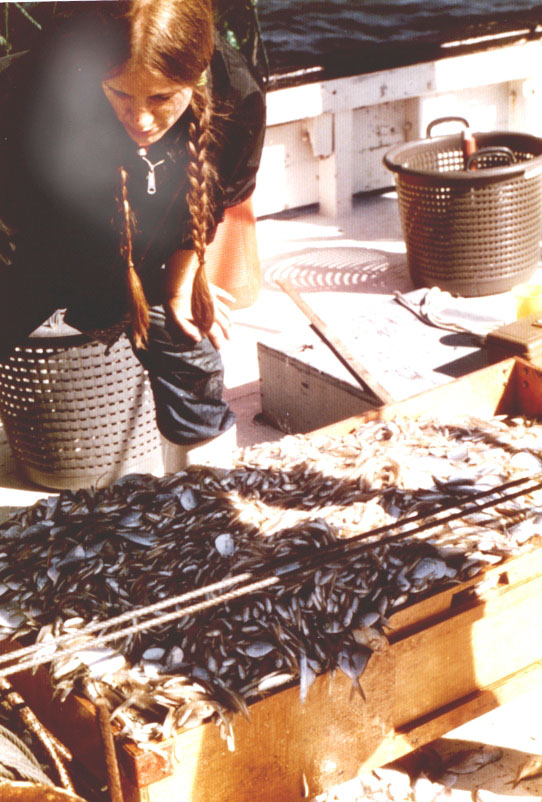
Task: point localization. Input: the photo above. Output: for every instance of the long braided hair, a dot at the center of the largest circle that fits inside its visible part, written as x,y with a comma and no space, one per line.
174,38
202,177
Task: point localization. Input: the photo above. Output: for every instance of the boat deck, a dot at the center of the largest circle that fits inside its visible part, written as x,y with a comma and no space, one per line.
348,271
343,266
355,264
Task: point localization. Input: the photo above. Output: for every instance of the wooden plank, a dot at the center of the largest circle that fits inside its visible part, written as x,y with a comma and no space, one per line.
286,740
486,392
351,363
490,581
72,721
406,357
529,388
426,729
286,747
336,171
467,652
289,746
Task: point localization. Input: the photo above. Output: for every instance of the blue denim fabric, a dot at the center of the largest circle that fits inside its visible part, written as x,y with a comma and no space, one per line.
187,380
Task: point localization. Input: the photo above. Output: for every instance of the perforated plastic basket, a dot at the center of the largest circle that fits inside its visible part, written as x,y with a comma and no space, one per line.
471,232
75,416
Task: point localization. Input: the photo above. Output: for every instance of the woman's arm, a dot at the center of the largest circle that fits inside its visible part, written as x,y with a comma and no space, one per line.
180,271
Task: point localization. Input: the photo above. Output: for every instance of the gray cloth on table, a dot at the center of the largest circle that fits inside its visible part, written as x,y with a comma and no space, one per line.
440,309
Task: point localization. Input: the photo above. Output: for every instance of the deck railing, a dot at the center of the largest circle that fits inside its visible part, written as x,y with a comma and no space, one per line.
325,140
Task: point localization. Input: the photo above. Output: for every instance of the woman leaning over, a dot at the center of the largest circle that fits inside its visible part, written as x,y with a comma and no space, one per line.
124,136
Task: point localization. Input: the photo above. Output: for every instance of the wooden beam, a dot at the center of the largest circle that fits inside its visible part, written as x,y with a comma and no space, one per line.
351,363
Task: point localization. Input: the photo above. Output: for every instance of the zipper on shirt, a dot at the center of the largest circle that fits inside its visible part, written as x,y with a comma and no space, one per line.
151,177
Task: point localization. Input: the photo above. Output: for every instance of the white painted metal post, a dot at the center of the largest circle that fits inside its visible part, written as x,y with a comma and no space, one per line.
335,171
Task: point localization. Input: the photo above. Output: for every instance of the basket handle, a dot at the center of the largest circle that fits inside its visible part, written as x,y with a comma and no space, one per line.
497,150
440,120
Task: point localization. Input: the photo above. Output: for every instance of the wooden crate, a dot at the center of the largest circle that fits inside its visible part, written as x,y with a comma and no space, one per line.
453,656
298,396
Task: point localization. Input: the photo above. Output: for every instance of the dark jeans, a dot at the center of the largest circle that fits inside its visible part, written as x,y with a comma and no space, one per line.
187,380
186,377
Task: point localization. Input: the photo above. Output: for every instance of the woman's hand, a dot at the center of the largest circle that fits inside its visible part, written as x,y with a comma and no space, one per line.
178,309
179,279
220,330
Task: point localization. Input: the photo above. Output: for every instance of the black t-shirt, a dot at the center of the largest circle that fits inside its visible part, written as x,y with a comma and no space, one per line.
61,149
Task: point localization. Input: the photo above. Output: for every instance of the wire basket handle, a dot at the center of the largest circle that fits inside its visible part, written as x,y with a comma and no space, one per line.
440,120
497,150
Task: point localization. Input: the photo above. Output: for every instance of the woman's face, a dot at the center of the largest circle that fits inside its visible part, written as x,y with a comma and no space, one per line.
147,104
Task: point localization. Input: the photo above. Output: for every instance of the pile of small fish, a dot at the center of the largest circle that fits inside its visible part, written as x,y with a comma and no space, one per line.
90,555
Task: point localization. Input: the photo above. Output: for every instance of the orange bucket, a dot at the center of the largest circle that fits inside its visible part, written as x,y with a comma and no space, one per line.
232,261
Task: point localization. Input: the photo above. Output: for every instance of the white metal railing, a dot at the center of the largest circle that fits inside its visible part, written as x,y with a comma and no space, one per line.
325,141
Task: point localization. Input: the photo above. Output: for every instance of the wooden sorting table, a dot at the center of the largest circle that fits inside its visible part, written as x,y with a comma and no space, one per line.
453,656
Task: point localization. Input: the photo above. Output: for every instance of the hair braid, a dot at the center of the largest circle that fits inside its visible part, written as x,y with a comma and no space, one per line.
201,176
139,310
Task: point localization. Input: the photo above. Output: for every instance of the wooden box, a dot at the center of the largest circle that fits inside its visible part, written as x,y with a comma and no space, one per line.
522,338
453,656
299,394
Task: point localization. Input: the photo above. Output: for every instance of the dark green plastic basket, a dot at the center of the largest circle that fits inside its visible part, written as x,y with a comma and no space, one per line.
471,232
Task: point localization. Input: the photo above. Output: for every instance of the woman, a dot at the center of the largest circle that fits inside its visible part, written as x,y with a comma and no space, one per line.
124,136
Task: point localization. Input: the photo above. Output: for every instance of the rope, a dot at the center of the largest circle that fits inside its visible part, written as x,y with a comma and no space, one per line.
283,567
164,619
15,754
128,616
57,751
110,755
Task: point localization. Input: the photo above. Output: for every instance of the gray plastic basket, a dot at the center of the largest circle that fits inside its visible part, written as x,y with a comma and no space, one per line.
471,232
76,416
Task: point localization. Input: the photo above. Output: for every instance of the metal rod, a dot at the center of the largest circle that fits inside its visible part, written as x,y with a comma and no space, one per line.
111,763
